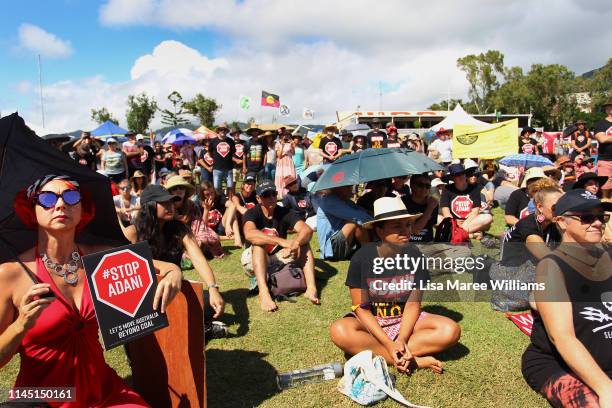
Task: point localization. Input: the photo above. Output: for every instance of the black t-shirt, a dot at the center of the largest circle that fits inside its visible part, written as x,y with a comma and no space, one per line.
222,151
528,147
427,233
542,360
282,220
300,202
581,139
605,149
160,161
360,272
215,214
239,152
366,201
514,252
377,139
331,146
206,157
170,251
460,203
517,204
247,202
364,143
147,155
254,152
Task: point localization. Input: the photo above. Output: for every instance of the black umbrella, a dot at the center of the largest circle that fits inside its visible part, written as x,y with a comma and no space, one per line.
569,130
24,157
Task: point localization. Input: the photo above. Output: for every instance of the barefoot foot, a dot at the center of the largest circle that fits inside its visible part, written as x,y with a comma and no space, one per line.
312,296
432,363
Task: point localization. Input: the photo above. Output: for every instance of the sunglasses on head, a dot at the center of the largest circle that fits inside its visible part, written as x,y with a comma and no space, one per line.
48,199
590,218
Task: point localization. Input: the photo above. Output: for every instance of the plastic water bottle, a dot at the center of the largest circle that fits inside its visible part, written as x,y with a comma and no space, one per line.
307,375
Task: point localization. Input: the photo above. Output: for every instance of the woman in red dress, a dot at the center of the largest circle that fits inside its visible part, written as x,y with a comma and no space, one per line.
52,324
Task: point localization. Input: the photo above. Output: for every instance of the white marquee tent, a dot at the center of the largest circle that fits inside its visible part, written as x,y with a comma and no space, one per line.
457,117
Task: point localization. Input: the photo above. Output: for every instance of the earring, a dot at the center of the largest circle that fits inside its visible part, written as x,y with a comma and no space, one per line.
540,218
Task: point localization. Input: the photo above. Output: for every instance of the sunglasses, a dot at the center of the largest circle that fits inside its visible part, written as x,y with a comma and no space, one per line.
48,199
269,194
125,188
589,219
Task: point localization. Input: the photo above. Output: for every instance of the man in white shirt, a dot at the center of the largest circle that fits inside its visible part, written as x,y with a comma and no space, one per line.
442,147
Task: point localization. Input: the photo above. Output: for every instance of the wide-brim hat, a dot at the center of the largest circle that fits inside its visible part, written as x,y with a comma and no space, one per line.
532,173
178,181
580,122
561,160
443,131
137,174
268,133
222,126
333,128
389,208
253,129
582,180
608,102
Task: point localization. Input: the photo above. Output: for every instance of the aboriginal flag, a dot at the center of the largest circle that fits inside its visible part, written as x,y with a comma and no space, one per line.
268,99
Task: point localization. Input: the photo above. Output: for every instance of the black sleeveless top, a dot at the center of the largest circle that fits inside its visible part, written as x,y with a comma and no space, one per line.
541,360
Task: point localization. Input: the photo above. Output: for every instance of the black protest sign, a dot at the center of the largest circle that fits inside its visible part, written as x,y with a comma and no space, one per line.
122,283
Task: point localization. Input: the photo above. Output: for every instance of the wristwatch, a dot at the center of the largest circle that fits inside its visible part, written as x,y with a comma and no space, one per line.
214,285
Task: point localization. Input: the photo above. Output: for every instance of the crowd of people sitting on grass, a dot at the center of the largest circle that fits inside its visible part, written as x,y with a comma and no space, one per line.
257,195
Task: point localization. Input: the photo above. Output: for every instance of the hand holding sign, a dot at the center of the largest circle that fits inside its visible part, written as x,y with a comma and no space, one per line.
168,287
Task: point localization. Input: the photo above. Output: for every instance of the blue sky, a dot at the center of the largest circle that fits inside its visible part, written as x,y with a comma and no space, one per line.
326,56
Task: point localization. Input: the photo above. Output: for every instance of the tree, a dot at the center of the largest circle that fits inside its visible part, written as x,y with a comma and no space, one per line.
481,72
140,112
551,95
203,108
102,115
513,95
600,86
443,105
175,117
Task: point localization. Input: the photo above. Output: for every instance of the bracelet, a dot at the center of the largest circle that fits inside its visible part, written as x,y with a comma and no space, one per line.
213,285
361,305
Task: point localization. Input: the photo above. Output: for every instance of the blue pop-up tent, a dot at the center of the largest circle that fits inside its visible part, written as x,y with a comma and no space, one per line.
108,129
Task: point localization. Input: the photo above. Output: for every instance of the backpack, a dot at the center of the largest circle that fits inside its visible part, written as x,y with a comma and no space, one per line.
286,279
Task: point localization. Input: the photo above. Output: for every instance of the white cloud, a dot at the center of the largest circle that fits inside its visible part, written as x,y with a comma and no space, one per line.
23,87
546,31
35,39
321,76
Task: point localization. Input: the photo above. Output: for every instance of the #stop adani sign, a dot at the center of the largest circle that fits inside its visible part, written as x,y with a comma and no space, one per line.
122,283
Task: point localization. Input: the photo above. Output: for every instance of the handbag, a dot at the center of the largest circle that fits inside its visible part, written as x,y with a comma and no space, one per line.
286,280
367,381
450,231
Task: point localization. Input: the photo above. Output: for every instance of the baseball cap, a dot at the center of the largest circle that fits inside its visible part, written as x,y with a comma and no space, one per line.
579,200
163,172
265,186
111,140
139,137
249,177
156,193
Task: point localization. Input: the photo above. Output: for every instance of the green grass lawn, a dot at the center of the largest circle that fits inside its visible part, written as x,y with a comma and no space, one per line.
482,371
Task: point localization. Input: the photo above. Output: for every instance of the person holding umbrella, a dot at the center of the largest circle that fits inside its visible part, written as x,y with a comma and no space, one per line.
52,324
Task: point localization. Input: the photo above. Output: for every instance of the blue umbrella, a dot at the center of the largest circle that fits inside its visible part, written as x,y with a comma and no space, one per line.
179,137
374,164
108,129
525,160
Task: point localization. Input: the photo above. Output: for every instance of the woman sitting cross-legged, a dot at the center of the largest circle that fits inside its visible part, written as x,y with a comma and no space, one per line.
569,360
394,328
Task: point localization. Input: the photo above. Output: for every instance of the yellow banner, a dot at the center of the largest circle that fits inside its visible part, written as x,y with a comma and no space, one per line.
485,141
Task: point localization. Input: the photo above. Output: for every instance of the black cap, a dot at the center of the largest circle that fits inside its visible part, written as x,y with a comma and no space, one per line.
156,193
250,177
455,168
580,201
527,129
601,180
263,187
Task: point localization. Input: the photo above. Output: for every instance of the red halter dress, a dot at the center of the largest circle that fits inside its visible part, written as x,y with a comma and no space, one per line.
62,350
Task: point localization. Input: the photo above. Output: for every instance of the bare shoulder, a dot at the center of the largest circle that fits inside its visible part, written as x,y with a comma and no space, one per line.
10,272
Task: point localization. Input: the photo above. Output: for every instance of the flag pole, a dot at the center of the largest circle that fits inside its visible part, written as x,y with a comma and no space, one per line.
42,107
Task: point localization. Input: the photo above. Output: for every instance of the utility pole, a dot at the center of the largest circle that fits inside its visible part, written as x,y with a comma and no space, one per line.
42,107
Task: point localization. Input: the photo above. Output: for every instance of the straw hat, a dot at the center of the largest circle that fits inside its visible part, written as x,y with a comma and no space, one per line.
532,173
333,128
178,181
137,174
389,208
